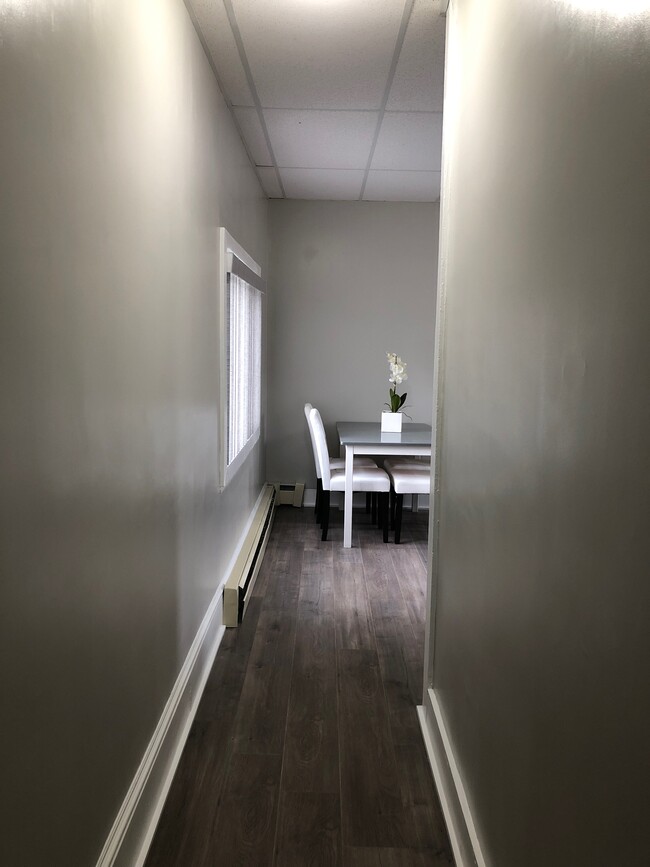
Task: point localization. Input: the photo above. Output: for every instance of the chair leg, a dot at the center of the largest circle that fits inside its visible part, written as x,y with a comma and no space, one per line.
325,515
399,502
383,507
392,507
368,502
319,497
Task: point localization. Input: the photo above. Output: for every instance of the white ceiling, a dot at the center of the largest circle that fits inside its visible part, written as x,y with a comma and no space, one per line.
334,99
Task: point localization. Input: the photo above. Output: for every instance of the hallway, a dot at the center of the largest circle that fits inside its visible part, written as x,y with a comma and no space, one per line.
306,747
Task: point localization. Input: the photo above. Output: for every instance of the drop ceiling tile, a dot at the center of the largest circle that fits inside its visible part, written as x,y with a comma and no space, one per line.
319,54
251,129
409,140
270,183
385,186
321,139
339,184
418,82
215,28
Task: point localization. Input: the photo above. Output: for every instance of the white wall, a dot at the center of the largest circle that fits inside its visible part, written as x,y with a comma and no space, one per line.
119,161
350,281
541,641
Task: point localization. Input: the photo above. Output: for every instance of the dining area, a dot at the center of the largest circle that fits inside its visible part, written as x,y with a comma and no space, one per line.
350,281
384,465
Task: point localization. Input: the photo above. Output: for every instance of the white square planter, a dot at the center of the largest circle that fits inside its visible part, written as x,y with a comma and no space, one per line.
391,422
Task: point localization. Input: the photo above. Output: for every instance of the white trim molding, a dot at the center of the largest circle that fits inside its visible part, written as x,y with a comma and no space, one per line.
227,248
464,839
134,826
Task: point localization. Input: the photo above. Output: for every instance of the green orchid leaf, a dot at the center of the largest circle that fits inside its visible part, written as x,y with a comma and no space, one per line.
402,399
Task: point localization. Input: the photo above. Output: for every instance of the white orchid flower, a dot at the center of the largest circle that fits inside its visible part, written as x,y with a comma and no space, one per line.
397,369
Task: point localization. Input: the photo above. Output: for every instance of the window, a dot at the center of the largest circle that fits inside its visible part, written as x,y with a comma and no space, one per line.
241,377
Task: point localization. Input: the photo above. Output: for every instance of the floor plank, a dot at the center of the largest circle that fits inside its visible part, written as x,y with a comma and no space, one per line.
407,563
421,799
191,806
384,857
223,687
262,713
245,826
373,814
397,648
316,597
309,831
311,751
354,629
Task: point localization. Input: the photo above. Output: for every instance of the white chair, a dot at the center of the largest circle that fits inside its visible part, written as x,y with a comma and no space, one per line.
364,478
405,463
407,480
335,463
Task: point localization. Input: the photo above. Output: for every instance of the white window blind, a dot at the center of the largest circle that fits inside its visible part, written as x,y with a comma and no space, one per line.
241,306
243,363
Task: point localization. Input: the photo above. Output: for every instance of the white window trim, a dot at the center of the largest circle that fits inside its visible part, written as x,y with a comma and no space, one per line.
228,245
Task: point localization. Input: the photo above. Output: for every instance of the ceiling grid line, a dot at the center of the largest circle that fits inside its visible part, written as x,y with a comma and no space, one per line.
210,59
406,16
230,12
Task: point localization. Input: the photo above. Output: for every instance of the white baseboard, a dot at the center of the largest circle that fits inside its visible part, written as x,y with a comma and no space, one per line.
451,791
132,832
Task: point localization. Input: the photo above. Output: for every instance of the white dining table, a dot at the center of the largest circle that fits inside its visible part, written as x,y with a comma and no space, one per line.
367,438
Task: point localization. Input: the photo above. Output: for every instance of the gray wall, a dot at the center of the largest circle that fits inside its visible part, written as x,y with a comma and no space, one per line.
541,627
119,160
350,281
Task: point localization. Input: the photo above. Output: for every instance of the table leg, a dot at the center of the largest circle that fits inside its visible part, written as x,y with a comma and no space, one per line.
347,513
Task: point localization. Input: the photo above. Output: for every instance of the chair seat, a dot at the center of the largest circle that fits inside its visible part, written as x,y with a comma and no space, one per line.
411,480
339,463
406,464
368,479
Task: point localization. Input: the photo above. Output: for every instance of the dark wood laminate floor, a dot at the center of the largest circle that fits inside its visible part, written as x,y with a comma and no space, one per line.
306,749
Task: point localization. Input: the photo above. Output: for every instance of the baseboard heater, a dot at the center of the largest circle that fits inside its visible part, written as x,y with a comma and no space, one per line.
290,494
241,580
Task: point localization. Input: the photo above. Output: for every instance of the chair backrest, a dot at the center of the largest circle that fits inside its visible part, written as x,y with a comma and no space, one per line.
320,441
308,409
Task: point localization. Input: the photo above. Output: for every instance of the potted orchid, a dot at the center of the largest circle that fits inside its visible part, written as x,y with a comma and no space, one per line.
391,420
